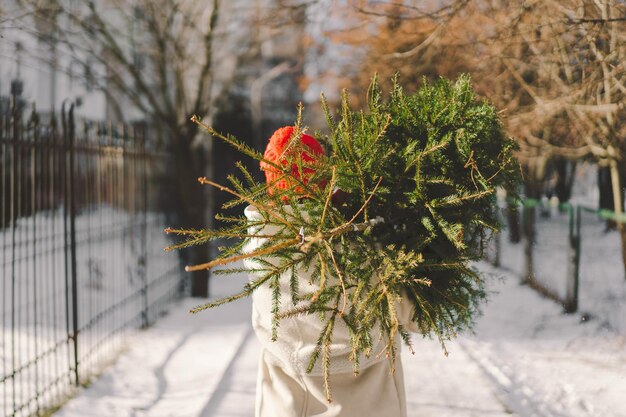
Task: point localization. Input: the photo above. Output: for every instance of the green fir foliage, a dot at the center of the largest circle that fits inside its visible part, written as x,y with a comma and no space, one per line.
418,175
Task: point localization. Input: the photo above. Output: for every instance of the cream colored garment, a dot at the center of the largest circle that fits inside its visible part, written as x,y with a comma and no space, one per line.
284,389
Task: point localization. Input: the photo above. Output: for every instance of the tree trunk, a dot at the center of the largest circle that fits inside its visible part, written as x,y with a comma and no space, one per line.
191,205
618,201
232,117
565,173
605,187
513,221
529,241
623,236
533,191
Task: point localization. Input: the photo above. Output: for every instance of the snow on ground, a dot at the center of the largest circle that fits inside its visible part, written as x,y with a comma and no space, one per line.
526,358
453,386
172,369
544,362
178,367
602,288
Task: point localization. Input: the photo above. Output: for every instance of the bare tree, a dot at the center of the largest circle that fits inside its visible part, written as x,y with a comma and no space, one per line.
165,61
567,61
153,60
557,69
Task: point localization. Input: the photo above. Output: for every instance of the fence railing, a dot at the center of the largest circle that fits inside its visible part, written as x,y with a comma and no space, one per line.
567,253
81,252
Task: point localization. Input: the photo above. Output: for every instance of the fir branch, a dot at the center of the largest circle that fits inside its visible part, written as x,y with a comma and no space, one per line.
265,208
248,151
327,114
230,219
393,329
457,200
241,270
204,236
340,277
304,310
239,146
318,346
252,183
222,301
428,151
294,285
248,289
451,231
346,227
328,198
236,258
296,135
406,338
425,309
184,232
362,206
275,287
326,357
322,280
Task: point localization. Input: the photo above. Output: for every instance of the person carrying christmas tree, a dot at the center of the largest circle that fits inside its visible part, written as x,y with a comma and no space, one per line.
285,387
352,245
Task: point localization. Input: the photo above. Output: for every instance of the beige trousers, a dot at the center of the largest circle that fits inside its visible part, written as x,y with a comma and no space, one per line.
375,392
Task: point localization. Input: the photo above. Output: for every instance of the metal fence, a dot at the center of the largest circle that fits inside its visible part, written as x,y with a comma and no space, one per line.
81,252
564,251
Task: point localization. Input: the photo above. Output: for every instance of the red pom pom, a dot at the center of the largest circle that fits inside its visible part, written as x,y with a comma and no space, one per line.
278,152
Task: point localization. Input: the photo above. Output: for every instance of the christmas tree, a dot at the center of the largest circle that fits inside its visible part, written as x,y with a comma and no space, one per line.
393,207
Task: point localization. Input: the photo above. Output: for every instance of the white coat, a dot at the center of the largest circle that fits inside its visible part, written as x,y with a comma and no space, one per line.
285,389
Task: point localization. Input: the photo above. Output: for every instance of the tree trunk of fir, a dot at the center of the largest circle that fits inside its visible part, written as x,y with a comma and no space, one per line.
618,201
192,205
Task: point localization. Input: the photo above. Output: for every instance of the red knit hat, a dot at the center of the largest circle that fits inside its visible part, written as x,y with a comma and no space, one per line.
277,153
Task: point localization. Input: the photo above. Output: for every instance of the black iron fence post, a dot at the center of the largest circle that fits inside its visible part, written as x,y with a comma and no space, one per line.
578,248
73,266
573,255
143,259
528,210
13,220
34,207
69,207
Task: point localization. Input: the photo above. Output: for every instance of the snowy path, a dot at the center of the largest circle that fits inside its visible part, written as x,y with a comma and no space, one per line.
466,392
171,369
448,387
527,359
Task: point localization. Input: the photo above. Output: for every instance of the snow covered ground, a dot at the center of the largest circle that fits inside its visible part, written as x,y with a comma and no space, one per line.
526,358
547,363
602,288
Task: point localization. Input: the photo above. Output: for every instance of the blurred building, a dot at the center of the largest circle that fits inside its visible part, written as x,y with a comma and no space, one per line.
259,59
259,62
39,68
